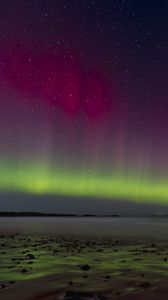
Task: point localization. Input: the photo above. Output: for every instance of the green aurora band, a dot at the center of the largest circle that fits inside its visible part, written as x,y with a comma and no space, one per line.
37,179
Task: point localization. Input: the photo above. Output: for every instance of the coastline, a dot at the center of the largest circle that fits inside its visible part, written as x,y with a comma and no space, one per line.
46,266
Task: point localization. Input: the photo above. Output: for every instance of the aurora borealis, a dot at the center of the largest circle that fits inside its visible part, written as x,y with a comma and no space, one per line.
83,99
38,180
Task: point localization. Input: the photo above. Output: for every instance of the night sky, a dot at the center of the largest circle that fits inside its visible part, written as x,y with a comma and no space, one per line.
84,105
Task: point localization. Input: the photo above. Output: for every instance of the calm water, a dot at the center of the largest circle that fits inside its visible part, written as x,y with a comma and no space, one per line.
139,227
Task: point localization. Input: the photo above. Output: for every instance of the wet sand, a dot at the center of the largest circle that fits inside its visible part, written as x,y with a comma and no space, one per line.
43,266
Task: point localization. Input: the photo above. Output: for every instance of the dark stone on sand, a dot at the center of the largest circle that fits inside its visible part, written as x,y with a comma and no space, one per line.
24,270
55,251
74,294
12,281
107,277
2,286
85,267
117,293
82,295
145,285
70,282
165,259
145,251
29,256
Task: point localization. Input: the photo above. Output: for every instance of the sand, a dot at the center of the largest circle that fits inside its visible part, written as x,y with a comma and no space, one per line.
47,266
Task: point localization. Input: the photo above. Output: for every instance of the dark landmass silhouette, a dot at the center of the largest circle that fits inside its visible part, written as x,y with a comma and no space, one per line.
39,214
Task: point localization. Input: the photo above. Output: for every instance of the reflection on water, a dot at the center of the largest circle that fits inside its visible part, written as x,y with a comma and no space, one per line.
117,226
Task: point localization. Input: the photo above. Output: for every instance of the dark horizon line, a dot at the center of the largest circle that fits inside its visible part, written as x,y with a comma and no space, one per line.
43,214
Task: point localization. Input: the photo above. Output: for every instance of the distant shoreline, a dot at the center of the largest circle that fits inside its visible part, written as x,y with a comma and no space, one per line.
38,214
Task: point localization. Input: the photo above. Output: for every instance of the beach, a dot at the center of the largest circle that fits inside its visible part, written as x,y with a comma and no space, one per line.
39,264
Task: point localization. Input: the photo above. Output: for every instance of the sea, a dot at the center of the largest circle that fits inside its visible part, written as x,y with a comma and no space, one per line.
152,227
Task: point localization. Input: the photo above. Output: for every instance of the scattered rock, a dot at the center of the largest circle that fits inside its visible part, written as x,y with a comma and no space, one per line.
75,294
85,267
24,270
107,277
12,281
71,295
55,250
117,293
13,259
145,285
100,250
29,256
2,286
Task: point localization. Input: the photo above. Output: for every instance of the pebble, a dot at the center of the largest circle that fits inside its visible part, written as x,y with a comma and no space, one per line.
85,267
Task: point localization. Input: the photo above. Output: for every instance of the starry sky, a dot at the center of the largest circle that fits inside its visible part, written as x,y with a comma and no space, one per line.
83,105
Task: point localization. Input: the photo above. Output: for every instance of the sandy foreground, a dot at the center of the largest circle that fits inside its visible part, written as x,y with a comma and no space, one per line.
46,267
